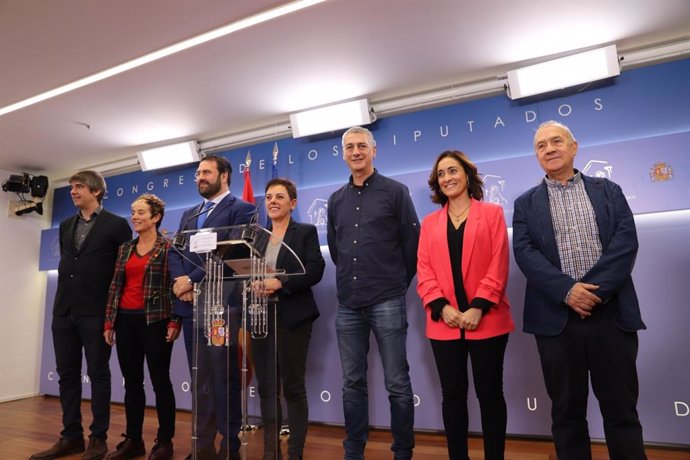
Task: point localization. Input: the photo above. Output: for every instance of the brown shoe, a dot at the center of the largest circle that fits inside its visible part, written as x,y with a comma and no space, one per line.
129,448
96,450
61,448
162,450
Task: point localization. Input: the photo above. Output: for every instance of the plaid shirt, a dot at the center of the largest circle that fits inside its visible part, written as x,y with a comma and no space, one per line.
575,226
156,283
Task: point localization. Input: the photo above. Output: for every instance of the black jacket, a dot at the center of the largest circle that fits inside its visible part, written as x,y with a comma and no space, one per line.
84,276
295,299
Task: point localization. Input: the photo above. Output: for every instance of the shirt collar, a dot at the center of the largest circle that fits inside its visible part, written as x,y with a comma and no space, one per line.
96,213
219,198
577,178
367,181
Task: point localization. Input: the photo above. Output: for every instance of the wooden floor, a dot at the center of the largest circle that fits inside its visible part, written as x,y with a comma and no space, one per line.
33,424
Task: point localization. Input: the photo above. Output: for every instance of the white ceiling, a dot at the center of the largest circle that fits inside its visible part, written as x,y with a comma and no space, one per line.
336,50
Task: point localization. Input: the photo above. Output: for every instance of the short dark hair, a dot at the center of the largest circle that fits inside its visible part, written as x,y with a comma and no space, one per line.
93,180
156,204
287,183
222,164
474,181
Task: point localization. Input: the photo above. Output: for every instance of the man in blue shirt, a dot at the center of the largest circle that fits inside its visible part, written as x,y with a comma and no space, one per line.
373,232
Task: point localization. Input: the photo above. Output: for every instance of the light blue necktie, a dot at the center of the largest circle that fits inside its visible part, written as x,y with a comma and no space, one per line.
202,217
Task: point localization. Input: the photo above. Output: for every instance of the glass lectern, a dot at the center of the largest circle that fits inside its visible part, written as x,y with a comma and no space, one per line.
230,319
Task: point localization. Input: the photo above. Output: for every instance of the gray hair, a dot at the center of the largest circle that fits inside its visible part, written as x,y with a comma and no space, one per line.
359,130
558,125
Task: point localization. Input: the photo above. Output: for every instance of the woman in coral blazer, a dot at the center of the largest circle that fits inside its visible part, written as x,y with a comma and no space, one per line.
462,273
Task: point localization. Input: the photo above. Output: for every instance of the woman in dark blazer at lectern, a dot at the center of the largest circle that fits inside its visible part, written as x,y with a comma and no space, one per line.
296,311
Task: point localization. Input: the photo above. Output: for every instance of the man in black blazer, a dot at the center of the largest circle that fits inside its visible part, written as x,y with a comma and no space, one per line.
89,242
218,405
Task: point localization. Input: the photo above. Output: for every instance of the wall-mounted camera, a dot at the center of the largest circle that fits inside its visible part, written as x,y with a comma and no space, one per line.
37,186
17,184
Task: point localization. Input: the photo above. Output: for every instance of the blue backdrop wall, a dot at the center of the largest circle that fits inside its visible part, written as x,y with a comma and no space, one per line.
635,131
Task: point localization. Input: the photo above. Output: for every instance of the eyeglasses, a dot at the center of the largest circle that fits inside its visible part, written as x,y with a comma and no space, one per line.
203,172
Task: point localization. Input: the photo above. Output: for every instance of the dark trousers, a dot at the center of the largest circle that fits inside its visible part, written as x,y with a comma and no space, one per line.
72,334
593,348
136,341
487,371
286,362
216,389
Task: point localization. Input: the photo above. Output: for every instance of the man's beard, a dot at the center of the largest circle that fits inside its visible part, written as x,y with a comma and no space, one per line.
212,189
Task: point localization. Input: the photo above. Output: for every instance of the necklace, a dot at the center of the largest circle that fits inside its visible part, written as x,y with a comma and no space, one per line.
457,217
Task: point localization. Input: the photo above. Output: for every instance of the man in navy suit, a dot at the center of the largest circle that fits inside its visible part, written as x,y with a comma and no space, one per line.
89,242
574,238
218,398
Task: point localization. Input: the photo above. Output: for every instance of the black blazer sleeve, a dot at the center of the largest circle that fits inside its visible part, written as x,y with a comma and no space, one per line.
305,243
296,302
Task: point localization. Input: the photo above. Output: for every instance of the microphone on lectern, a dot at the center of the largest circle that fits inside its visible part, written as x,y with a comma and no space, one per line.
181,239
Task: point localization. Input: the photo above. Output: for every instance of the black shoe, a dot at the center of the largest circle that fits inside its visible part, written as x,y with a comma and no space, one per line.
162,450
129,448
61,448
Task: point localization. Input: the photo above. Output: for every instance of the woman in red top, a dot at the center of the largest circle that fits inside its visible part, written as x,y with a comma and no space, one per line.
138,312
462,272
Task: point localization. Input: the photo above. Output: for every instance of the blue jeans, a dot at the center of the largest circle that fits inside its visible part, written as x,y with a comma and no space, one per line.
388,321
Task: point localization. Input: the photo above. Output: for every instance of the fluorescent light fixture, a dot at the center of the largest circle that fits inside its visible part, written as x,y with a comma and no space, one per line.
167,51
246,137
331,118
660,52
169,155
564,72
451,94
